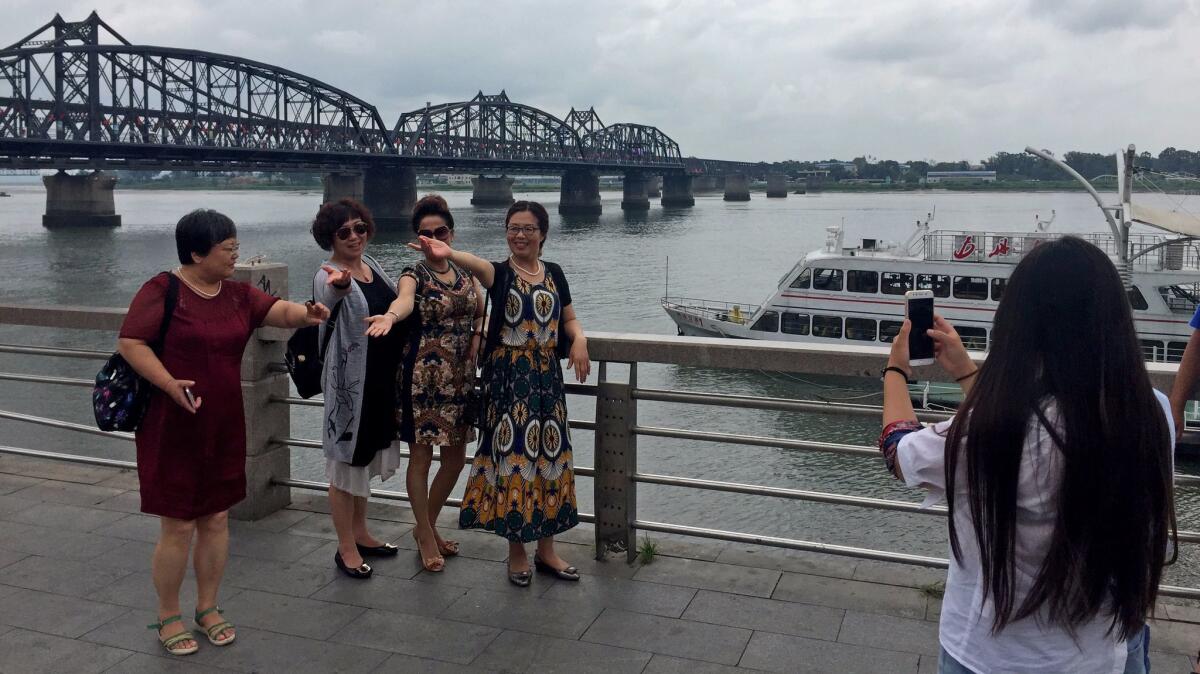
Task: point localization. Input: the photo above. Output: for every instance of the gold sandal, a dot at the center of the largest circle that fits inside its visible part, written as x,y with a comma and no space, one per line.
215,629
175,638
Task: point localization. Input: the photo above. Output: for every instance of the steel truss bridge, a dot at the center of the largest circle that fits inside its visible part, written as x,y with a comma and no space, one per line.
78,94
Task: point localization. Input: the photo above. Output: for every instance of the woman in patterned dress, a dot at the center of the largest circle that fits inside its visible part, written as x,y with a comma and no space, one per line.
436,375
522,482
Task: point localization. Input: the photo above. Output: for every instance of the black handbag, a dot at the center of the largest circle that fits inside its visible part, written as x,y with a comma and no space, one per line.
121,396
305,354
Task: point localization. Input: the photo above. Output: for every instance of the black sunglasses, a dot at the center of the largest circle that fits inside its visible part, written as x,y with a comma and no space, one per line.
358,228
441,233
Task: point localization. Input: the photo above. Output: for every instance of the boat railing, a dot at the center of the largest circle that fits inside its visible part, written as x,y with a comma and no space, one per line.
733,312
618,433
1148,252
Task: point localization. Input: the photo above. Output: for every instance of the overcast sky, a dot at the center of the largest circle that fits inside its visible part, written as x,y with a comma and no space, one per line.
746,80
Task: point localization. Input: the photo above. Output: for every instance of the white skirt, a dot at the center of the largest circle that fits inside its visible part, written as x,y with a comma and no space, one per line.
356,480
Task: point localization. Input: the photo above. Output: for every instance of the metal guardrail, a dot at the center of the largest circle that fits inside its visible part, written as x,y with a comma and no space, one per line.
616,474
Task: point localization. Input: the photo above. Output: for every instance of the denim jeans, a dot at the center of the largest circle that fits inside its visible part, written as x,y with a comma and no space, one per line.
1136,662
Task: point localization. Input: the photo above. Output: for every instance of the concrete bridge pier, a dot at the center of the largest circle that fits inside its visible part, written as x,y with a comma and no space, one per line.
737,187
653,186
635,197
776,186
80,201
677,191
580,193
390,194
492,191
342,185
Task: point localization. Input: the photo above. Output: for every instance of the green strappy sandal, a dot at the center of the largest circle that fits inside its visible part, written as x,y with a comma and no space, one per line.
213,630
176,638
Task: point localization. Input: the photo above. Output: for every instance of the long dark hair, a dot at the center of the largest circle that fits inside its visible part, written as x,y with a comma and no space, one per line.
1064,332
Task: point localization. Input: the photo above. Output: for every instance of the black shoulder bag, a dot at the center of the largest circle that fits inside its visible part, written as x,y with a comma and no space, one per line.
305,355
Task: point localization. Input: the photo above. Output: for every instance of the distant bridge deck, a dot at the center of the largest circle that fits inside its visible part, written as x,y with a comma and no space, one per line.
75,596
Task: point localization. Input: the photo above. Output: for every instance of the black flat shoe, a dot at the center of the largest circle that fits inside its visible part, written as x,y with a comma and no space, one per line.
520,578
361,573
385,550
569,573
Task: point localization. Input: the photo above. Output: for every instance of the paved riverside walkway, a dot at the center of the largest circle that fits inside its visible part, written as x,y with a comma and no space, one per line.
75,596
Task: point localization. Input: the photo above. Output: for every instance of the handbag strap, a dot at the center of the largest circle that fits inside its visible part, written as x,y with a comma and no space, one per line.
169,302
329,326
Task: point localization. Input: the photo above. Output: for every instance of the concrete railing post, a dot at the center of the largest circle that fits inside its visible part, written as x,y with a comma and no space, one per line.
267,421
616,462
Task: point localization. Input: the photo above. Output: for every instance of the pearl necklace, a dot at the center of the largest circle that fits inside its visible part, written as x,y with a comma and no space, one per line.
179,273
527,272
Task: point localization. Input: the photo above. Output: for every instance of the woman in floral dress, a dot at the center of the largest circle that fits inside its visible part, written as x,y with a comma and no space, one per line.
522,482
436,374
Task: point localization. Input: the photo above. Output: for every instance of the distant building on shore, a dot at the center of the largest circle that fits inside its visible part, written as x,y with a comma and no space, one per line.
960,176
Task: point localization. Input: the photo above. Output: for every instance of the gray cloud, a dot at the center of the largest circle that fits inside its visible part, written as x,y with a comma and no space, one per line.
1099,16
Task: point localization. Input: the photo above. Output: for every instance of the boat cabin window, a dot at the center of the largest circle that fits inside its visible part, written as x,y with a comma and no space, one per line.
1136,300
861,329
827,326
895,282
794,324
768,322
1152,350
859,281
803,279
998,287
1181,299
938,283
970,287
1175,351
888,330
974,339
827,279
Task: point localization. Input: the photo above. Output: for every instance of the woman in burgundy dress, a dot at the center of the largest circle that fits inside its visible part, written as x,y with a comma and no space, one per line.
191,446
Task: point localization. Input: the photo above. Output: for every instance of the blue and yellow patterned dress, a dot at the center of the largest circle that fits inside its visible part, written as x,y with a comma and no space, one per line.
522,482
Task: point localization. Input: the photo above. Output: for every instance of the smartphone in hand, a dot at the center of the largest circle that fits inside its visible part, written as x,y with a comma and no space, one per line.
918,308
190,397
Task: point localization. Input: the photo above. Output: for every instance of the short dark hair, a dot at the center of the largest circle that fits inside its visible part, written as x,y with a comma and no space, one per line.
198,231
431,204
334,214
539,212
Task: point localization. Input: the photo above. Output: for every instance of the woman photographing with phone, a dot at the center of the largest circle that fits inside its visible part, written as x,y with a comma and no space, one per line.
1057,471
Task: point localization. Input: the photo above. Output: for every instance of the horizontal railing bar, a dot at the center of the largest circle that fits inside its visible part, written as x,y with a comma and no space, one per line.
584,471
89,354
756,440
66,425
70,458
301,402
46,379
766,403
381,493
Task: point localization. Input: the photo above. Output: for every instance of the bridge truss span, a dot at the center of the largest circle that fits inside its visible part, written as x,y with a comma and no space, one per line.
632,144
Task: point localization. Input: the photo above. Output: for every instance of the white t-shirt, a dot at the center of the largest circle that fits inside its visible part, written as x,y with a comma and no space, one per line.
1023,646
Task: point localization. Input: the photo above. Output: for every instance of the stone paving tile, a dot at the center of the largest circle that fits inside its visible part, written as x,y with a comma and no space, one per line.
54,543
140,663
522,652
137,591
928,665
797,655
125,479
408,663
10,556
61,576
289,615
10,483
753,613
665,664
144,528
70,493
933,609
1190,614
321,526
628,595
130,555
26,651
403,565
480,545
54,614
709,576
263,651
1170,662
851,594
290,578
55,470
493,576
788,560
66,517
669,636
12,505
392,594
272,546
417,635
677,546
278,521
1169,637
6,590
898,574
127,502
539,615
890,632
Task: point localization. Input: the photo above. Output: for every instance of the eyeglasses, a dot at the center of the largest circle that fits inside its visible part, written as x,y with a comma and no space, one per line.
232,250
358,228
441,233
527,230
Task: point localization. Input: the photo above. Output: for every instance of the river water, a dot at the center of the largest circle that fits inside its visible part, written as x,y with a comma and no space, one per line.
617,265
